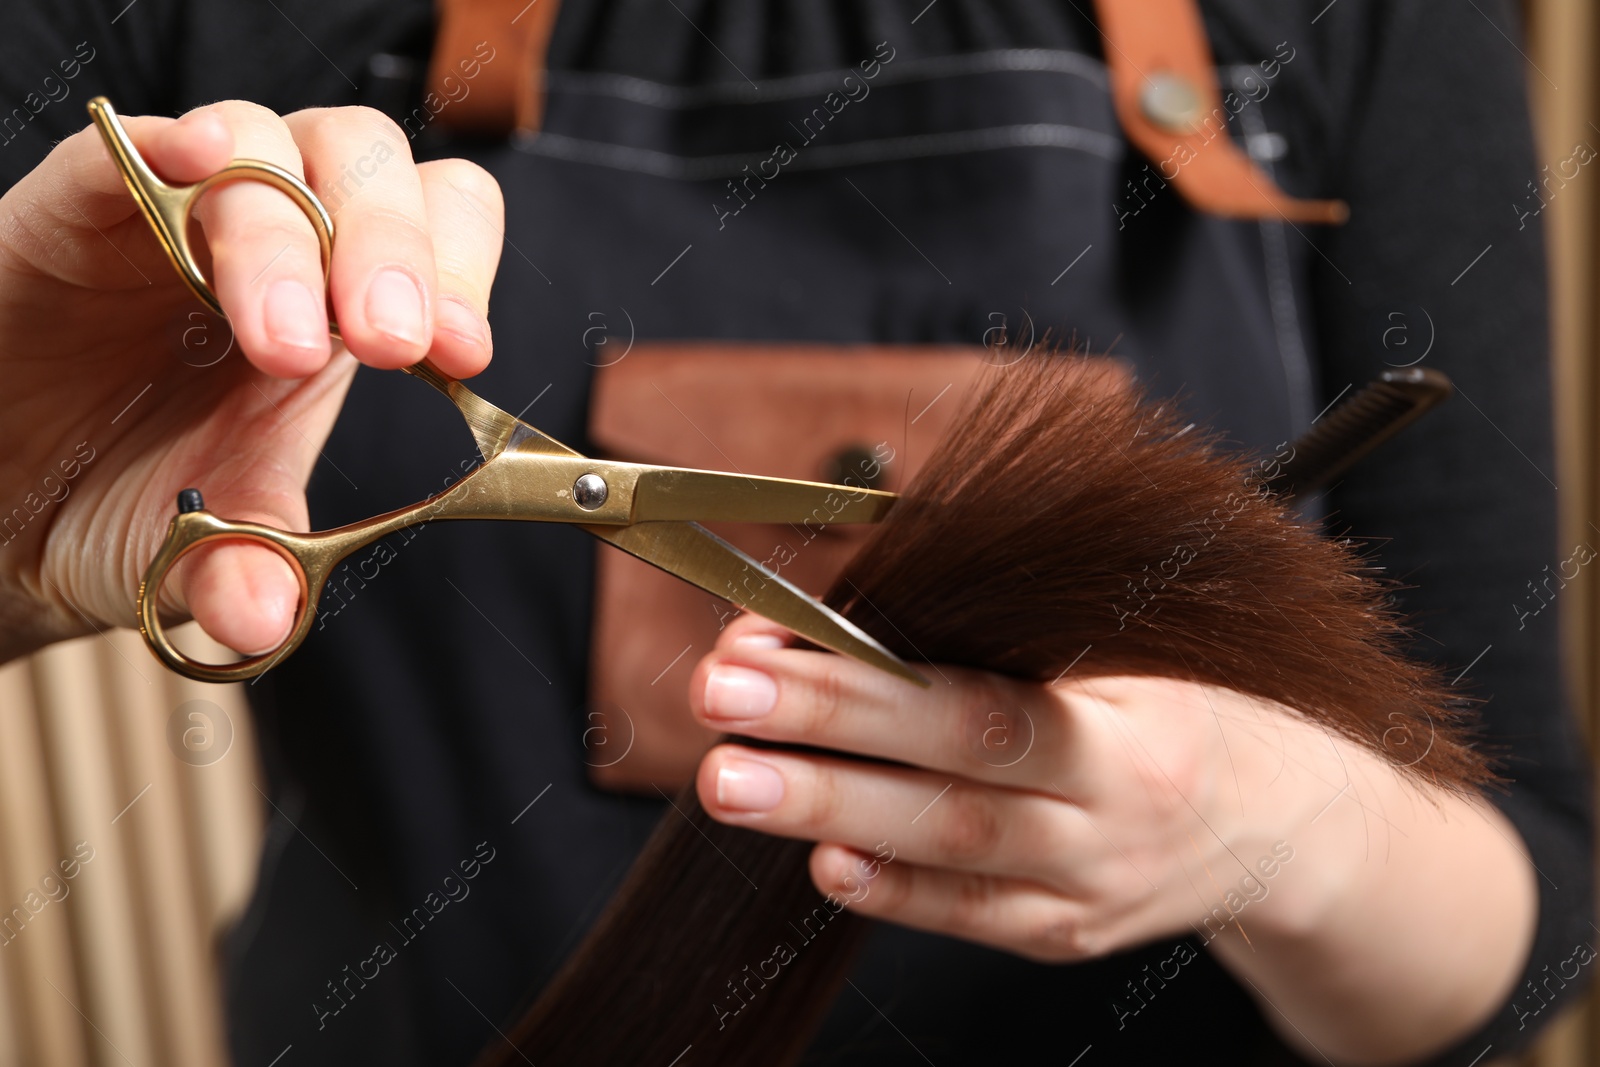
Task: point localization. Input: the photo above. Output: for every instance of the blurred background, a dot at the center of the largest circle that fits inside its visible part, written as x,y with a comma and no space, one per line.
130,823
130,811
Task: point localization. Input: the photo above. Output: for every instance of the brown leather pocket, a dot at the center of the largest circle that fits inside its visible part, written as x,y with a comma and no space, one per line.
819,412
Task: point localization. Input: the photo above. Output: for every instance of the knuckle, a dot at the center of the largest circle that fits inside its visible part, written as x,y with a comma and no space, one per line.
991,723
1189,772
1059,937
270,244
479,187
973,902
258,131
278,228
245,113
395,227
378,125
826,703
893,890
1051,841
825,801
968,830
358,123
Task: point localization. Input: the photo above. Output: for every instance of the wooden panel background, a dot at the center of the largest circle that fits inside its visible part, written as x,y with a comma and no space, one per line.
108,762
1563,43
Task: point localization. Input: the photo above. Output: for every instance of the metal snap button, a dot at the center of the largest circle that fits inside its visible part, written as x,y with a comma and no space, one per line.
1171,102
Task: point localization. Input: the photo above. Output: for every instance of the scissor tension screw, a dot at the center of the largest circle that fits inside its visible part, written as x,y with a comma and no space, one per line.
590,491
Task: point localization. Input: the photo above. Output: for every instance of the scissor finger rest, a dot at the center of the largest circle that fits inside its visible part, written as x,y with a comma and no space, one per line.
311,556
167,207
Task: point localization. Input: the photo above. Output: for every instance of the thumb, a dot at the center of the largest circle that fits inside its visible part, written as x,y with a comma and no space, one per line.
243,595
252,463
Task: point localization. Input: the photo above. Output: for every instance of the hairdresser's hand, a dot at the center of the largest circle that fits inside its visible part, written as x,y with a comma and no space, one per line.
118,391
1071,821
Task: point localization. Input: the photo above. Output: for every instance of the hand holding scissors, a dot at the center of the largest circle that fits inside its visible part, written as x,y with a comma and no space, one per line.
121,389
647,511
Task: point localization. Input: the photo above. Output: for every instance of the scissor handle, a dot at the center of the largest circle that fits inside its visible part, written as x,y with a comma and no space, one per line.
311,558
167,207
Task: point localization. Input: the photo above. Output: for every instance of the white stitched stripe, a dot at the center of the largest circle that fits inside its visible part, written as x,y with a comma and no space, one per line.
819,157
658,94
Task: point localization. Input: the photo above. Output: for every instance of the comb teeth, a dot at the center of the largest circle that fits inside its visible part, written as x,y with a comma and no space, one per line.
1344,436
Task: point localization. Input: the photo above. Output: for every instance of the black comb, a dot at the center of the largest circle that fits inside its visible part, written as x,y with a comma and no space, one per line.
1344,436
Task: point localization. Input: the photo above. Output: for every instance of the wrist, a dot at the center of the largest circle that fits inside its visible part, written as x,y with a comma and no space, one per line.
1379,921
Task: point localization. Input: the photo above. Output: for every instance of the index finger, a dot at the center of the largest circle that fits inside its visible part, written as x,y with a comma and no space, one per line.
979,725
266,259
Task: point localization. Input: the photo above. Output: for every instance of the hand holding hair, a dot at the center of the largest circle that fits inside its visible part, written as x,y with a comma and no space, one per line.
1171,696
1064,822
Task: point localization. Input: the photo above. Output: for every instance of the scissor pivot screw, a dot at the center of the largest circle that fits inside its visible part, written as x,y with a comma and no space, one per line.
190,500
590,491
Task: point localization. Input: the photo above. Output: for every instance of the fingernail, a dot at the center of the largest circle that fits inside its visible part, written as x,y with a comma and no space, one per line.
759,641
745,785
294,316
739,693
394,306
460,321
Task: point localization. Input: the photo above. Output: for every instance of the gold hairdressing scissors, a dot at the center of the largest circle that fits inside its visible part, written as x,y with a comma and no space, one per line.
647,511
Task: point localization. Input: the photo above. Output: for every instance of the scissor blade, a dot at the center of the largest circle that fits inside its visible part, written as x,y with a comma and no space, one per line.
703,559
669,494
676,494
493,429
